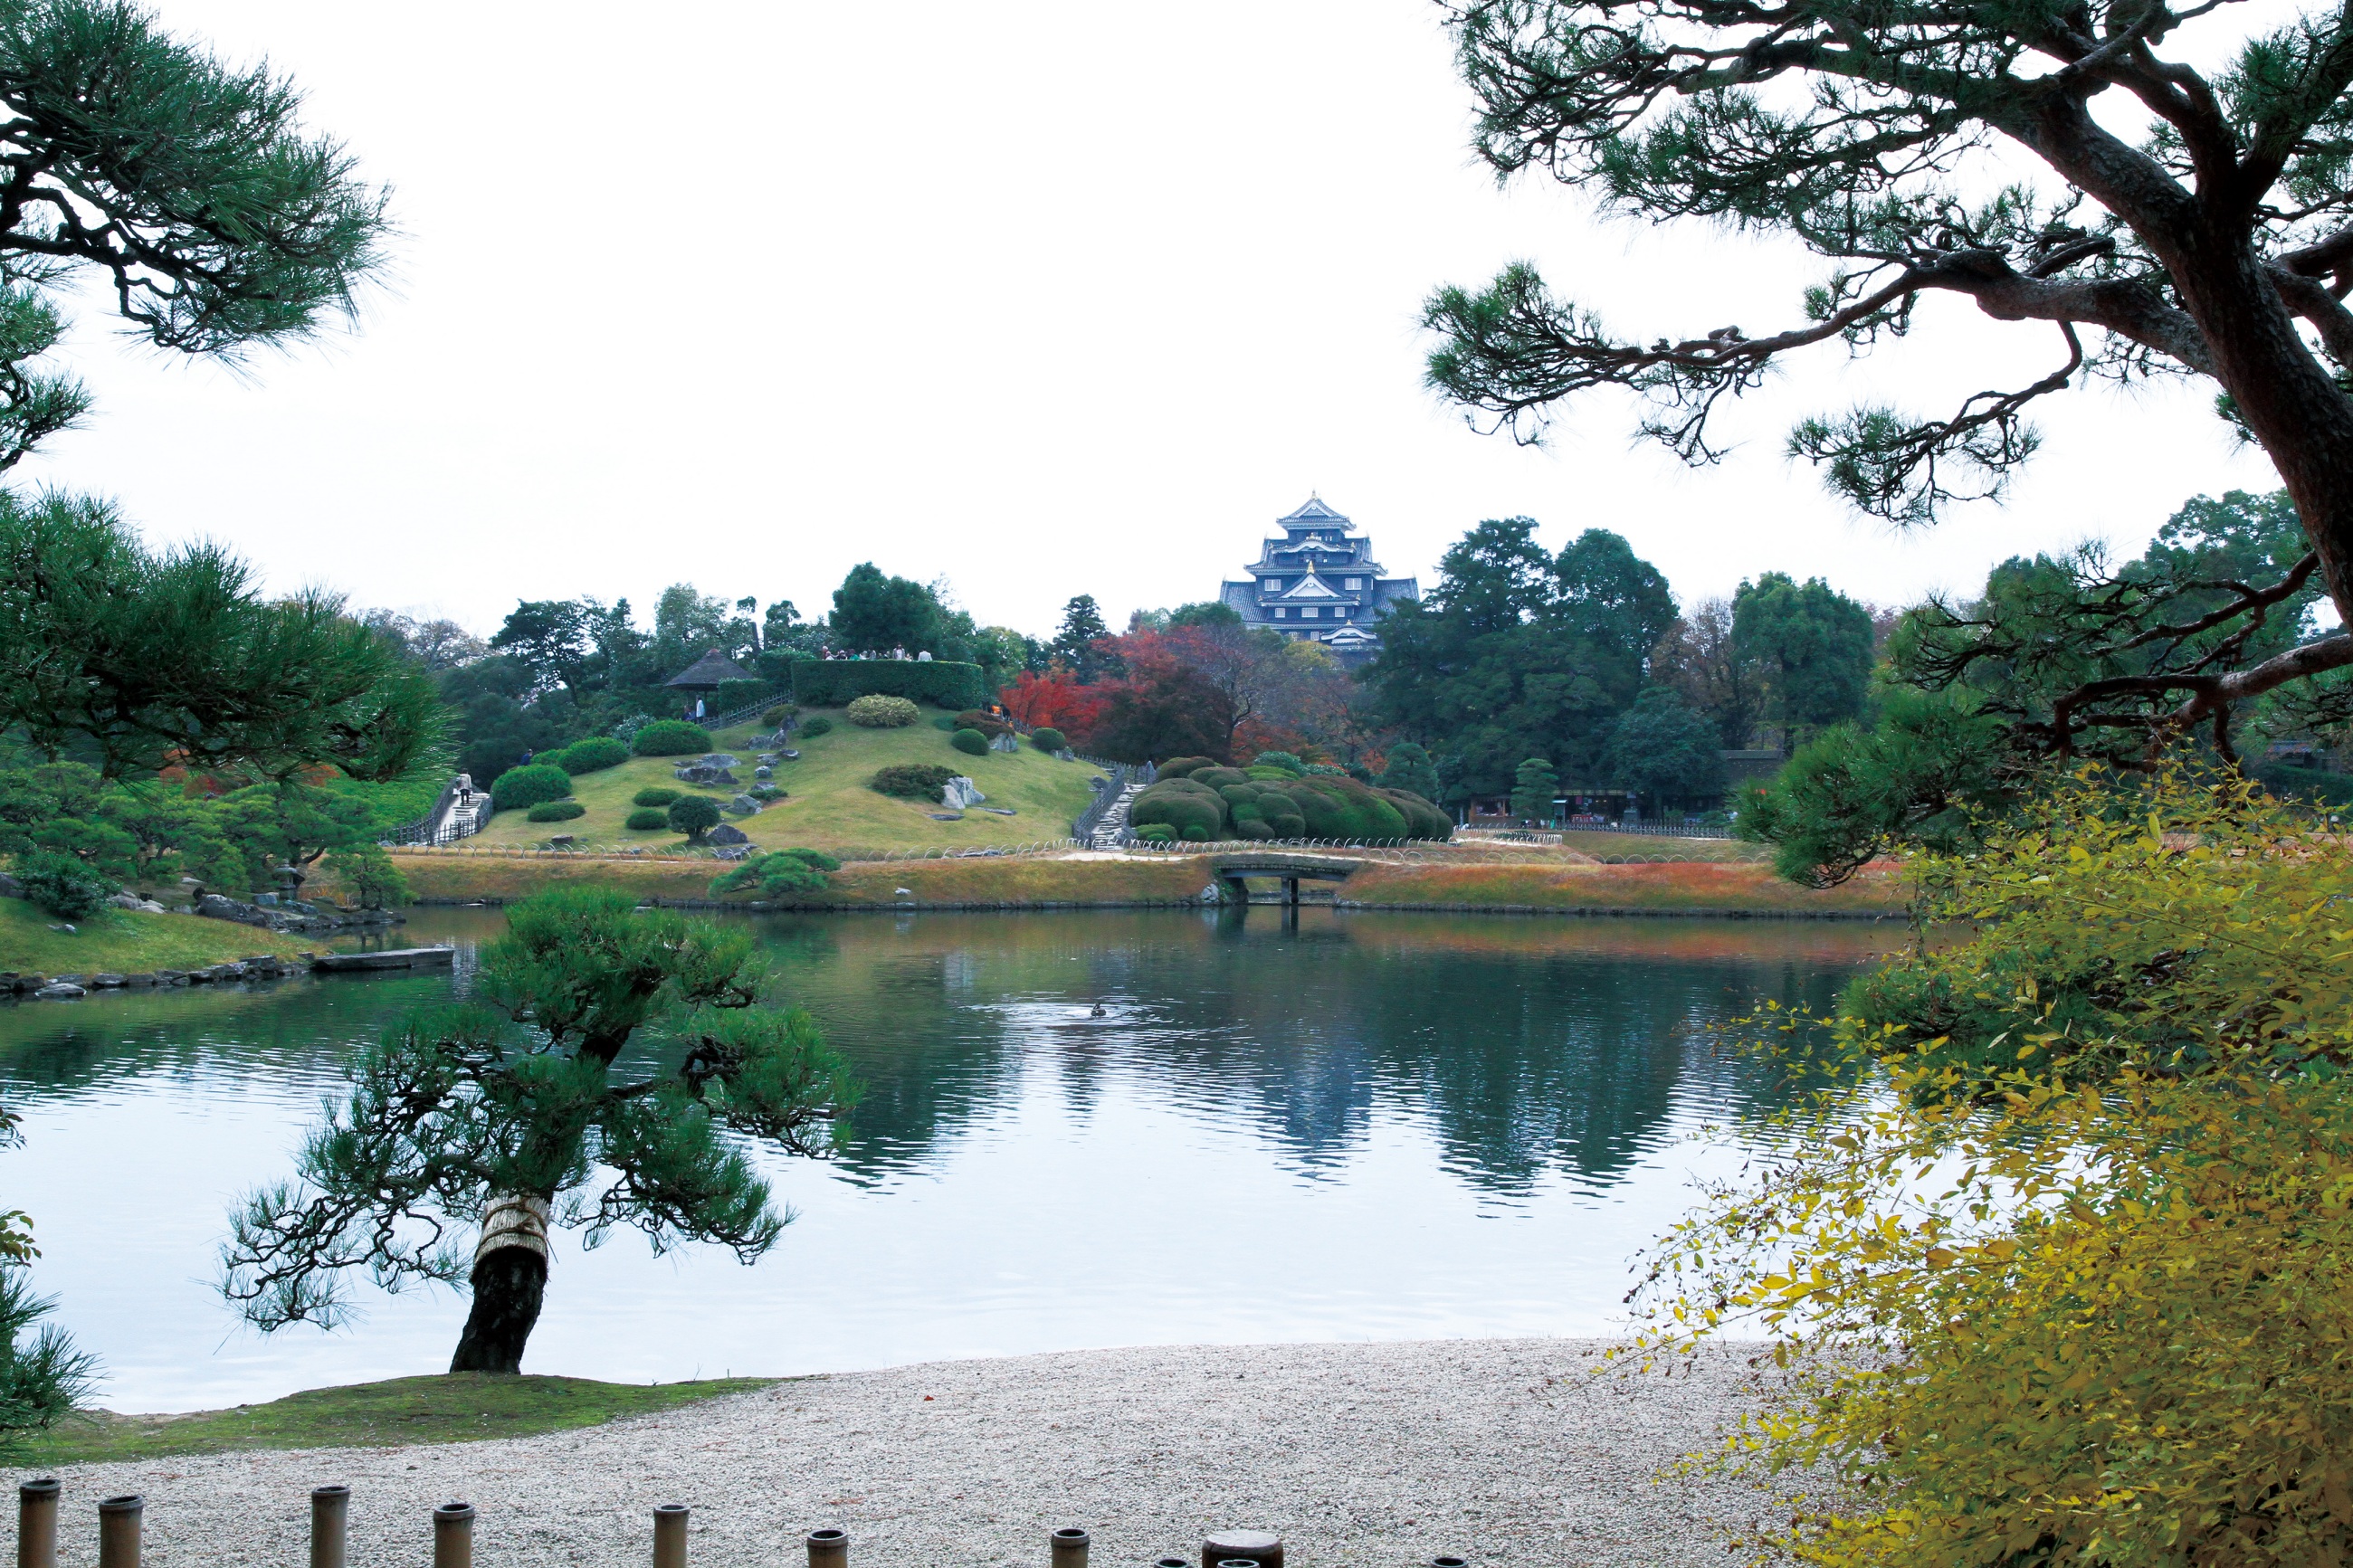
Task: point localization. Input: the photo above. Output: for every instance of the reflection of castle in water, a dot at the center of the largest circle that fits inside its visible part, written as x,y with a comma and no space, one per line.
1519,1066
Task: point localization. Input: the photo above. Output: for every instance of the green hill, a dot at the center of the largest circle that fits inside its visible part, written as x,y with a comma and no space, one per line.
828,805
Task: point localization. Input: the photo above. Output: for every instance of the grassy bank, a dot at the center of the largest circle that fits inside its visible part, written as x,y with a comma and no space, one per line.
1027,881
453,1408
130,941
828,805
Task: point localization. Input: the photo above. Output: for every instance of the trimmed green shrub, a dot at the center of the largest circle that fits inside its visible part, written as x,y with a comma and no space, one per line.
781,875
882,712
555,811
671,738
911,781
1050,741
1180,804
654,794
971,742
63,885
648,820
820,725
593,755
782,714
1184,767
693,815
1155,833
836,682
519,788
1423,820
1282,760
765,792
732,695
944,722
1195,833
1214,776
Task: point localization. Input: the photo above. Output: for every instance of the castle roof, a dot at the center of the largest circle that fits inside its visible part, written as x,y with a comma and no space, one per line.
1310,587
1315,514
705,673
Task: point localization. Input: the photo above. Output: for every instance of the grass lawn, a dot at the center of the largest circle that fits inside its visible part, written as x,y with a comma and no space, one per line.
828,805
452,1408
130,941
1631,845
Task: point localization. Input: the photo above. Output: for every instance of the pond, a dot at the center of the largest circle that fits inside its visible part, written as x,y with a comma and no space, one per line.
1338,1126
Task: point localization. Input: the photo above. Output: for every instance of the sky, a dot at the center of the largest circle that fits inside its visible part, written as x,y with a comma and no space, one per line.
1043,298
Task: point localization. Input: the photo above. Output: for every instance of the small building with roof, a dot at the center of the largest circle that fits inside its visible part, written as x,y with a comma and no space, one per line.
1320,581
706,673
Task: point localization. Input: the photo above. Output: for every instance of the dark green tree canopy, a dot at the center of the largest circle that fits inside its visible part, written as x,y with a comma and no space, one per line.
875,614
1663,750
1078,643
1888,139
1812,645
1535,785
134,660
1515,648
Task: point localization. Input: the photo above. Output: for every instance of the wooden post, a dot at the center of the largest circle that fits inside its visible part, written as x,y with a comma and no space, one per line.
1255,1546
453,1535
37,1523
118,1530
1291,892
1066,1549
331,1524
670,1535
829,1549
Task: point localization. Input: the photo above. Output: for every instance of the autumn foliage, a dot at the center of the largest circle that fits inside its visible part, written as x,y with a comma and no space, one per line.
2061,1273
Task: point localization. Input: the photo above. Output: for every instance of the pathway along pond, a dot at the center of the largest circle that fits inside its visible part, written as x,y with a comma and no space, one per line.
1352,1127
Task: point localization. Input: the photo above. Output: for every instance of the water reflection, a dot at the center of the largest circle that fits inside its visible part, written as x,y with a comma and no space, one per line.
1336,1092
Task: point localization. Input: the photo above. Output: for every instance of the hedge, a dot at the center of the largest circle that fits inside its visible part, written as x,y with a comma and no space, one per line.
1219,803
1046,740
735,694
671,738
555,811
646,819
970,742
836,682
813,727
655,795
529,785
592,755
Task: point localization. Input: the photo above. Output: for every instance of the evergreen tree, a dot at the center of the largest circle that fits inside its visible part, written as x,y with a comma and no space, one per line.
877,614
1411,768
501,1114
1663,752
1534,786
1813,645
1077,645
2147,198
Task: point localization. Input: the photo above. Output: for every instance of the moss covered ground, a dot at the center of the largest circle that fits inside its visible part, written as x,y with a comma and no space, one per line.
828,805
130,941
452,1408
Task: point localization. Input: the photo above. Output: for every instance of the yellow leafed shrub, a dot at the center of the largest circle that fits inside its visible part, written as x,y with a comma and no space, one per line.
2061,1273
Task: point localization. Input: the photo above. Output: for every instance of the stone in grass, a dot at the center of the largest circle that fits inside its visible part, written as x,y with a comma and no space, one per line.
732,851
945,815
743,804
723,834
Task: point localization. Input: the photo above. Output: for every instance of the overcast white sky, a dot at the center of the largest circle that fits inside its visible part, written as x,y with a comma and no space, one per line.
1050,298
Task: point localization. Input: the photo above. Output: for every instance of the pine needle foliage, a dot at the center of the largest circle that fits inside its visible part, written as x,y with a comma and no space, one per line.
2062,1272
608,1055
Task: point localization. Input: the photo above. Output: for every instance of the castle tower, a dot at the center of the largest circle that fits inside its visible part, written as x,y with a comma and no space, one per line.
1320,581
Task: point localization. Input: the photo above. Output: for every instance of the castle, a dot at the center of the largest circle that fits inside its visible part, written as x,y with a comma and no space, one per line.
1318,582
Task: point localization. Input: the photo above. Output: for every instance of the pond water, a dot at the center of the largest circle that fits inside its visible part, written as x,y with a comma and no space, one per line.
1340,1126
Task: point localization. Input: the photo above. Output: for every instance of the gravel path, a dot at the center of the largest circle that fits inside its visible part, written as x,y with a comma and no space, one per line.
1506,1452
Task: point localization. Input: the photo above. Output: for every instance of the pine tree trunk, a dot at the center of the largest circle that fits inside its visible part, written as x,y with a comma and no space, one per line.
510,1282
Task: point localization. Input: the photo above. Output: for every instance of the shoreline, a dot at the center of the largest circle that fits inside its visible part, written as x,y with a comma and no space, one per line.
914,906
1512,1453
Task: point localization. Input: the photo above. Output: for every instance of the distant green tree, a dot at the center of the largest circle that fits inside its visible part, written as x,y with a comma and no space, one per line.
374,880
1411,768
688,625
1534,786
873,612
510,1114
1664,751
1516,647
1813,644
546,637
693,815
1078,643
1207,613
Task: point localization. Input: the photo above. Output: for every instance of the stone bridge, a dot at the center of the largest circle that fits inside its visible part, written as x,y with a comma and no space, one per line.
1289,869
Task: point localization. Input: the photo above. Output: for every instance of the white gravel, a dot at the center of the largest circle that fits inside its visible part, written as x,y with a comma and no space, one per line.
1501,1451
